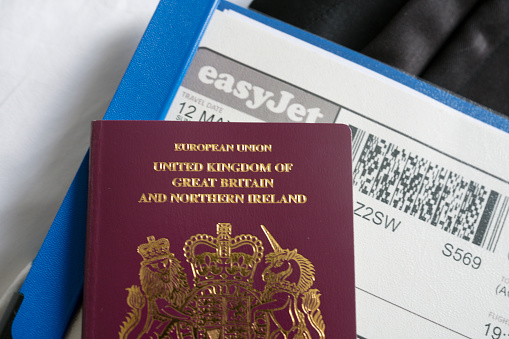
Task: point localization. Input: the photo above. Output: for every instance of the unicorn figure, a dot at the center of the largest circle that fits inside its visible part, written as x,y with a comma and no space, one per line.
289,305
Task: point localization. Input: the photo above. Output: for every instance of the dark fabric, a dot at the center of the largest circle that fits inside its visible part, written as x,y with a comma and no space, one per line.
351,23
460,45
475,61
416,33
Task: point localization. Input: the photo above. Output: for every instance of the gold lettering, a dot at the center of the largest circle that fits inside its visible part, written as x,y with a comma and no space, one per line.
224,182
283,200
268,198
272,199
247,183
161,166
293,198
207,198
254,198
177,182
283,167
153,197
194,182
238,167
209,182
204,147
228,148
254,148
233,183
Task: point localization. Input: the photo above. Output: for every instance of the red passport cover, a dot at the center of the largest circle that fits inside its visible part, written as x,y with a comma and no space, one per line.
219,230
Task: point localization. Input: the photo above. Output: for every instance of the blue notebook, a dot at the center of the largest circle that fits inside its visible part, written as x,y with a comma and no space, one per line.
53,287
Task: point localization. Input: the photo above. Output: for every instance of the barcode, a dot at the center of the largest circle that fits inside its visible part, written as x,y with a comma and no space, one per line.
423,189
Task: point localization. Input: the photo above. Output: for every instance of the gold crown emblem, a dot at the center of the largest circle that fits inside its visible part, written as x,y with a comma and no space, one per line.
223,303
154,249
223,257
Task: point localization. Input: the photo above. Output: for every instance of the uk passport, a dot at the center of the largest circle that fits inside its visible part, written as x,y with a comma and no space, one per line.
219,230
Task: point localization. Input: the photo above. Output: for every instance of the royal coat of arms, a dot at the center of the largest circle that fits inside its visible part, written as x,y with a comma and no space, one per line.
222,302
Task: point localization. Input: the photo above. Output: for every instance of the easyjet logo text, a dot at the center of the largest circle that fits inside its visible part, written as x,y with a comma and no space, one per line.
255,97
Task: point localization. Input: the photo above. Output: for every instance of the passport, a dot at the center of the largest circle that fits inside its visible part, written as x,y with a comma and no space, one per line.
232,230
